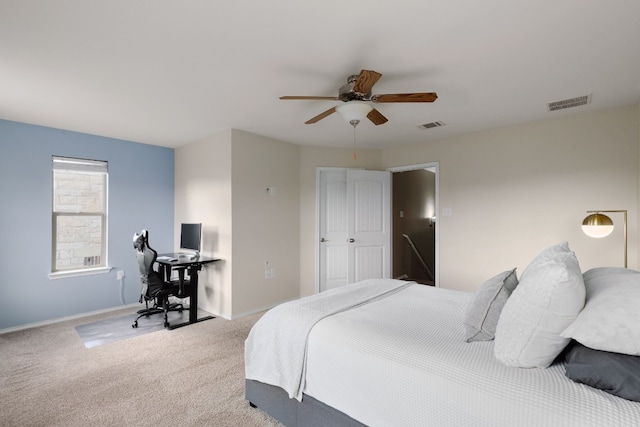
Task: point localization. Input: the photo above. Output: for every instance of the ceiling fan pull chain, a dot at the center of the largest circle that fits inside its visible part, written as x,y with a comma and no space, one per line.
354,123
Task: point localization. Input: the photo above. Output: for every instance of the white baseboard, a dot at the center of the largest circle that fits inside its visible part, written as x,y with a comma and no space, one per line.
132,305
260,309
64,319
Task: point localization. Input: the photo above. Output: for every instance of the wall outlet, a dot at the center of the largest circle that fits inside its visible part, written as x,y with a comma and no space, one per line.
120,275
269,273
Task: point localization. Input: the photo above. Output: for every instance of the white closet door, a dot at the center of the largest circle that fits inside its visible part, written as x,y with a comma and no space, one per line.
354,226
369,224
333,262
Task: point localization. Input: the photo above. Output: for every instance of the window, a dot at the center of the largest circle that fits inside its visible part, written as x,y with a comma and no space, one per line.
79,215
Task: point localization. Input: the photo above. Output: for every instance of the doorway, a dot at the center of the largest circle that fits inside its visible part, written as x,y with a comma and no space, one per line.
414,237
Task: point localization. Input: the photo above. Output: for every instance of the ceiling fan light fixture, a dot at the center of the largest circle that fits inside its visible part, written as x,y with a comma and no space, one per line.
354,110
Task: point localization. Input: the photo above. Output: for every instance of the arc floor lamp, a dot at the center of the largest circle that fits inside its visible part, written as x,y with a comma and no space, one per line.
599,225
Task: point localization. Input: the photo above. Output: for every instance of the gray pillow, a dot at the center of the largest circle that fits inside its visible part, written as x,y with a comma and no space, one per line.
617,374
481,317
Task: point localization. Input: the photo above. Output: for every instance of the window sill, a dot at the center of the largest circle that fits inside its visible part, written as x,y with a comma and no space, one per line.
78,273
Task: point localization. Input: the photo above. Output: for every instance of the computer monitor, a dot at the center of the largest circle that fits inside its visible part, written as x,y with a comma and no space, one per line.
190,237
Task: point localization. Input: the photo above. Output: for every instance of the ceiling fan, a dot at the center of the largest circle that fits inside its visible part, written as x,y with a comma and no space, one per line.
357,92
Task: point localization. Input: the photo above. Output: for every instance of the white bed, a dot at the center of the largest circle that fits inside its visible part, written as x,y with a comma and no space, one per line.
402,360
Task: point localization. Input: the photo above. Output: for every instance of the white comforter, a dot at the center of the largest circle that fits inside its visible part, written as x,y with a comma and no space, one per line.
275,350
403,361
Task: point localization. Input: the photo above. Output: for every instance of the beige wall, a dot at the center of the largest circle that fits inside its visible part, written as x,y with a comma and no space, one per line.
203,194
265,227
221,181
517,190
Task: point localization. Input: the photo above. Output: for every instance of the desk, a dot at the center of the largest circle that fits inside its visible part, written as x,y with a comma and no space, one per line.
193,265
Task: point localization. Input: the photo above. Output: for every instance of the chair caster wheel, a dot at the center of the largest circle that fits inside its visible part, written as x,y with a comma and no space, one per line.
166,324
135,325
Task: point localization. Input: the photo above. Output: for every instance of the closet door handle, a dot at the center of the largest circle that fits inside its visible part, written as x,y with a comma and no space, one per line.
350,240
322,240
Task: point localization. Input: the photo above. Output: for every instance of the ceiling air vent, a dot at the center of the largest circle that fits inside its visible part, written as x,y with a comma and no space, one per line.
431,125
569,103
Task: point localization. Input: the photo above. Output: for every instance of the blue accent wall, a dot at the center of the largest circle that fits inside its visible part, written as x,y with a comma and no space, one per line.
141,196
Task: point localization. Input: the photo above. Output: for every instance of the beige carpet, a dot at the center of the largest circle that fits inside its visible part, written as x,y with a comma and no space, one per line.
191,376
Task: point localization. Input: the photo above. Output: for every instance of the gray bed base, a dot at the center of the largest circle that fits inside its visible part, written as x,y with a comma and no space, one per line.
308,413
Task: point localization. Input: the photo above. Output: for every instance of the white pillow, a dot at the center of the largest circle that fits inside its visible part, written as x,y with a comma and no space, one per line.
610,320
482,314
548,298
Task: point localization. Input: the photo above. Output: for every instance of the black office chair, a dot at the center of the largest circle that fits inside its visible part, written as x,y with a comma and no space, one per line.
154,289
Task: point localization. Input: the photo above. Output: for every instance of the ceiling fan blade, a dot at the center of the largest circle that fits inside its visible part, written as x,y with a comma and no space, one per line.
405,97
376,117
321,116
365,81
312,98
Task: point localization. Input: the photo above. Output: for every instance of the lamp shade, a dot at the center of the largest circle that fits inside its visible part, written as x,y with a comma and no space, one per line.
354,110
597,225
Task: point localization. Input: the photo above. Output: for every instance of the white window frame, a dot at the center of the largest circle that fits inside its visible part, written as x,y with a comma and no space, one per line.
80,165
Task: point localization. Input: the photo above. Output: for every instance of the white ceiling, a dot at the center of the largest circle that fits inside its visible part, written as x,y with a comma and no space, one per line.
169,72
